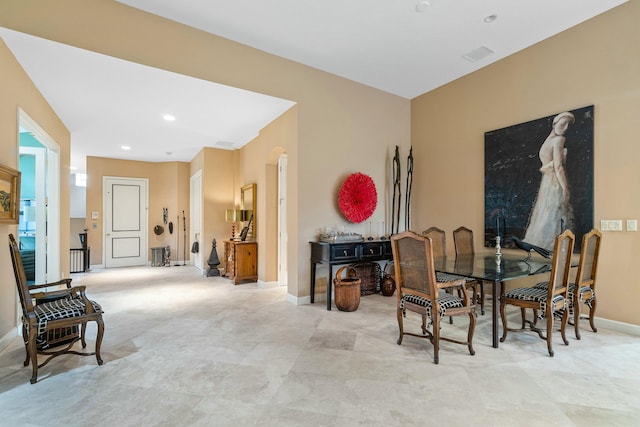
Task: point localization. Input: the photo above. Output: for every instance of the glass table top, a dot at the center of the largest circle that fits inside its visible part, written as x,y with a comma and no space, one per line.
491,267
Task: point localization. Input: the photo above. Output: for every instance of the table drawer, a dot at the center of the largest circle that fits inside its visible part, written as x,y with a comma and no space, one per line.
372,250
344,253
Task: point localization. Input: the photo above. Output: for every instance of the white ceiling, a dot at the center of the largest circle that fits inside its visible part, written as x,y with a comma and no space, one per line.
386,44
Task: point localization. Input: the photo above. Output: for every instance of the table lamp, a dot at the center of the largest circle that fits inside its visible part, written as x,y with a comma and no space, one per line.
233,215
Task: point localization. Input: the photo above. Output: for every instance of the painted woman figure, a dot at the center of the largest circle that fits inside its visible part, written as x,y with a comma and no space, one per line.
552,209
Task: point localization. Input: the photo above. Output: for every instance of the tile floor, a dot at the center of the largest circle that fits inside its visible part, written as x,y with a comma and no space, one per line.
185,350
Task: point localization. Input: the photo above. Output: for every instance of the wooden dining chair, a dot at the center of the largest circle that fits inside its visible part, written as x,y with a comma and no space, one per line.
419,292
553,299
585,282
439,239
66,308
439,245
463,242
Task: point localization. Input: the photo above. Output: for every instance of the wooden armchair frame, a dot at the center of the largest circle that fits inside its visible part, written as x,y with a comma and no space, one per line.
418,291
550,300
584,288
463,242
47,316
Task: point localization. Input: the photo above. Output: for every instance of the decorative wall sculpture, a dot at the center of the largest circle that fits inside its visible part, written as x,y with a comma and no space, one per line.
358,197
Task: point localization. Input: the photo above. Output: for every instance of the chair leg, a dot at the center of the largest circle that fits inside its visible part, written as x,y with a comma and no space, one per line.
563,327
482,298
503,316
98,339
436,336
523,315
83,335
25,339
550,322
424,324
400,325
592,313
33,353
576,315
472,328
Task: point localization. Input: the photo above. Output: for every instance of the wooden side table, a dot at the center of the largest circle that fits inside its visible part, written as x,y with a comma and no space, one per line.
241,261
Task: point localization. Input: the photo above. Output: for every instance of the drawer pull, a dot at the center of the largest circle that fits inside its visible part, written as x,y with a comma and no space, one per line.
371,251
345,252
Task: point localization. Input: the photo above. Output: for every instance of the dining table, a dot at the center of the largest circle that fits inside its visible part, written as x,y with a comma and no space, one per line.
496,269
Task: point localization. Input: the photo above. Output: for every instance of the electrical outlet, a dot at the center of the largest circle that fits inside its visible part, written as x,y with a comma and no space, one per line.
632,225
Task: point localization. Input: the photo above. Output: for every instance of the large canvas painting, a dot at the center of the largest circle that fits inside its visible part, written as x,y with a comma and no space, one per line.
539,179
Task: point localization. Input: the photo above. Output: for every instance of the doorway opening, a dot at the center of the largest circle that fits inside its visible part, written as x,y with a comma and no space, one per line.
39,223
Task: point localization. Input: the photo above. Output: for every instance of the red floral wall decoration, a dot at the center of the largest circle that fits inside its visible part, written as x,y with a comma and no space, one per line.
358,197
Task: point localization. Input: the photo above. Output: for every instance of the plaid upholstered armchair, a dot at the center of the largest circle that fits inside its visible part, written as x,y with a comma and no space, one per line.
419,292
59,311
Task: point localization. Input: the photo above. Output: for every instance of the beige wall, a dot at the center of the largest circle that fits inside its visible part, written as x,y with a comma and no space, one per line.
19,92
594,63
258,164
339,121
218,195
168,188
343,127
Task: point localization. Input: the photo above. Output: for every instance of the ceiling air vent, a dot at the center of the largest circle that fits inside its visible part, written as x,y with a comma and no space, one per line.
478,54
225,144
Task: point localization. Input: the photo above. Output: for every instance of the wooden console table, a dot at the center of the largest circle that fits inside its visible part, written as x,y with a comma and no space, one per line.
241,261
345,253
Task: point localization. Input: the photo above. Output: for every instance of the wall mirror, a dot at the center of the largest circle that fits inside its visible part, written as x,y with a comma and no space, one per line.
248,204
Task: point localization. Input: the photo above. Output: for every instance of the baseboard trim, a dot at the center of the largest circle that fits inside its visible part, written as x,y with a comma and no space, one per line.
298,300
5,340
264,285
612,325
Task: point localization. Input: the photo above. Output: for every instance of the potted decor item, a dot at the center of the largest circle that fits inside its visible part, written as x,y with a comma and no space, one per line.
388,286
347,289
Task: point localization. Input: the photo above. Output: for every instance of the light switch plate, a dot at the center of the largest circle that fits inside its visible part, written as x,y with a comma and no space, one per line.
611,225
632,225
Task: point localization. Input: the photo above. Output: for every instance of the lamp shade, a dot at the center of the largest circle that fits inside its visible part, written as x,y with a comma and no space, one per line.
245,215
233,215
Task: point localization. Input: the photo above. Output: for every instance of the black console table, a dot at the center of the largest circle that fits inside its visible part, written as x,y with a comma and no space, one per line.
345,253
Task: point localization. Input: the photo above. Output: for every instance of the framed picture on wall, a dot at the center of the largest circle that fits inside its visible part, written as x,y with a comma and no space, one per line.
539,179
9,195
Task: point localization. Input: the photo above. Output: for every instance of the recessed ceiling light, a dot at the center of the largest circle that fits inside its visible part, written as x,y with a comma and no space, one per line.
168,117
489,19
422,6
125,147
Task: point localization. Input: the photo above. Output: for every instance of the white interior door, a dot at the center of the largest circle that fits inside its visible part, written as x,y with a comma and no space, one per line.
195,216
125,215
282,220
36,212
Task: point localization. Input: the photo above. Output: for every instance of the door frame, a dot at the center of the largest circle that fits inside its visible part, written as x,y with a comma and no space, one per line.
195,217
54,271
282,221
